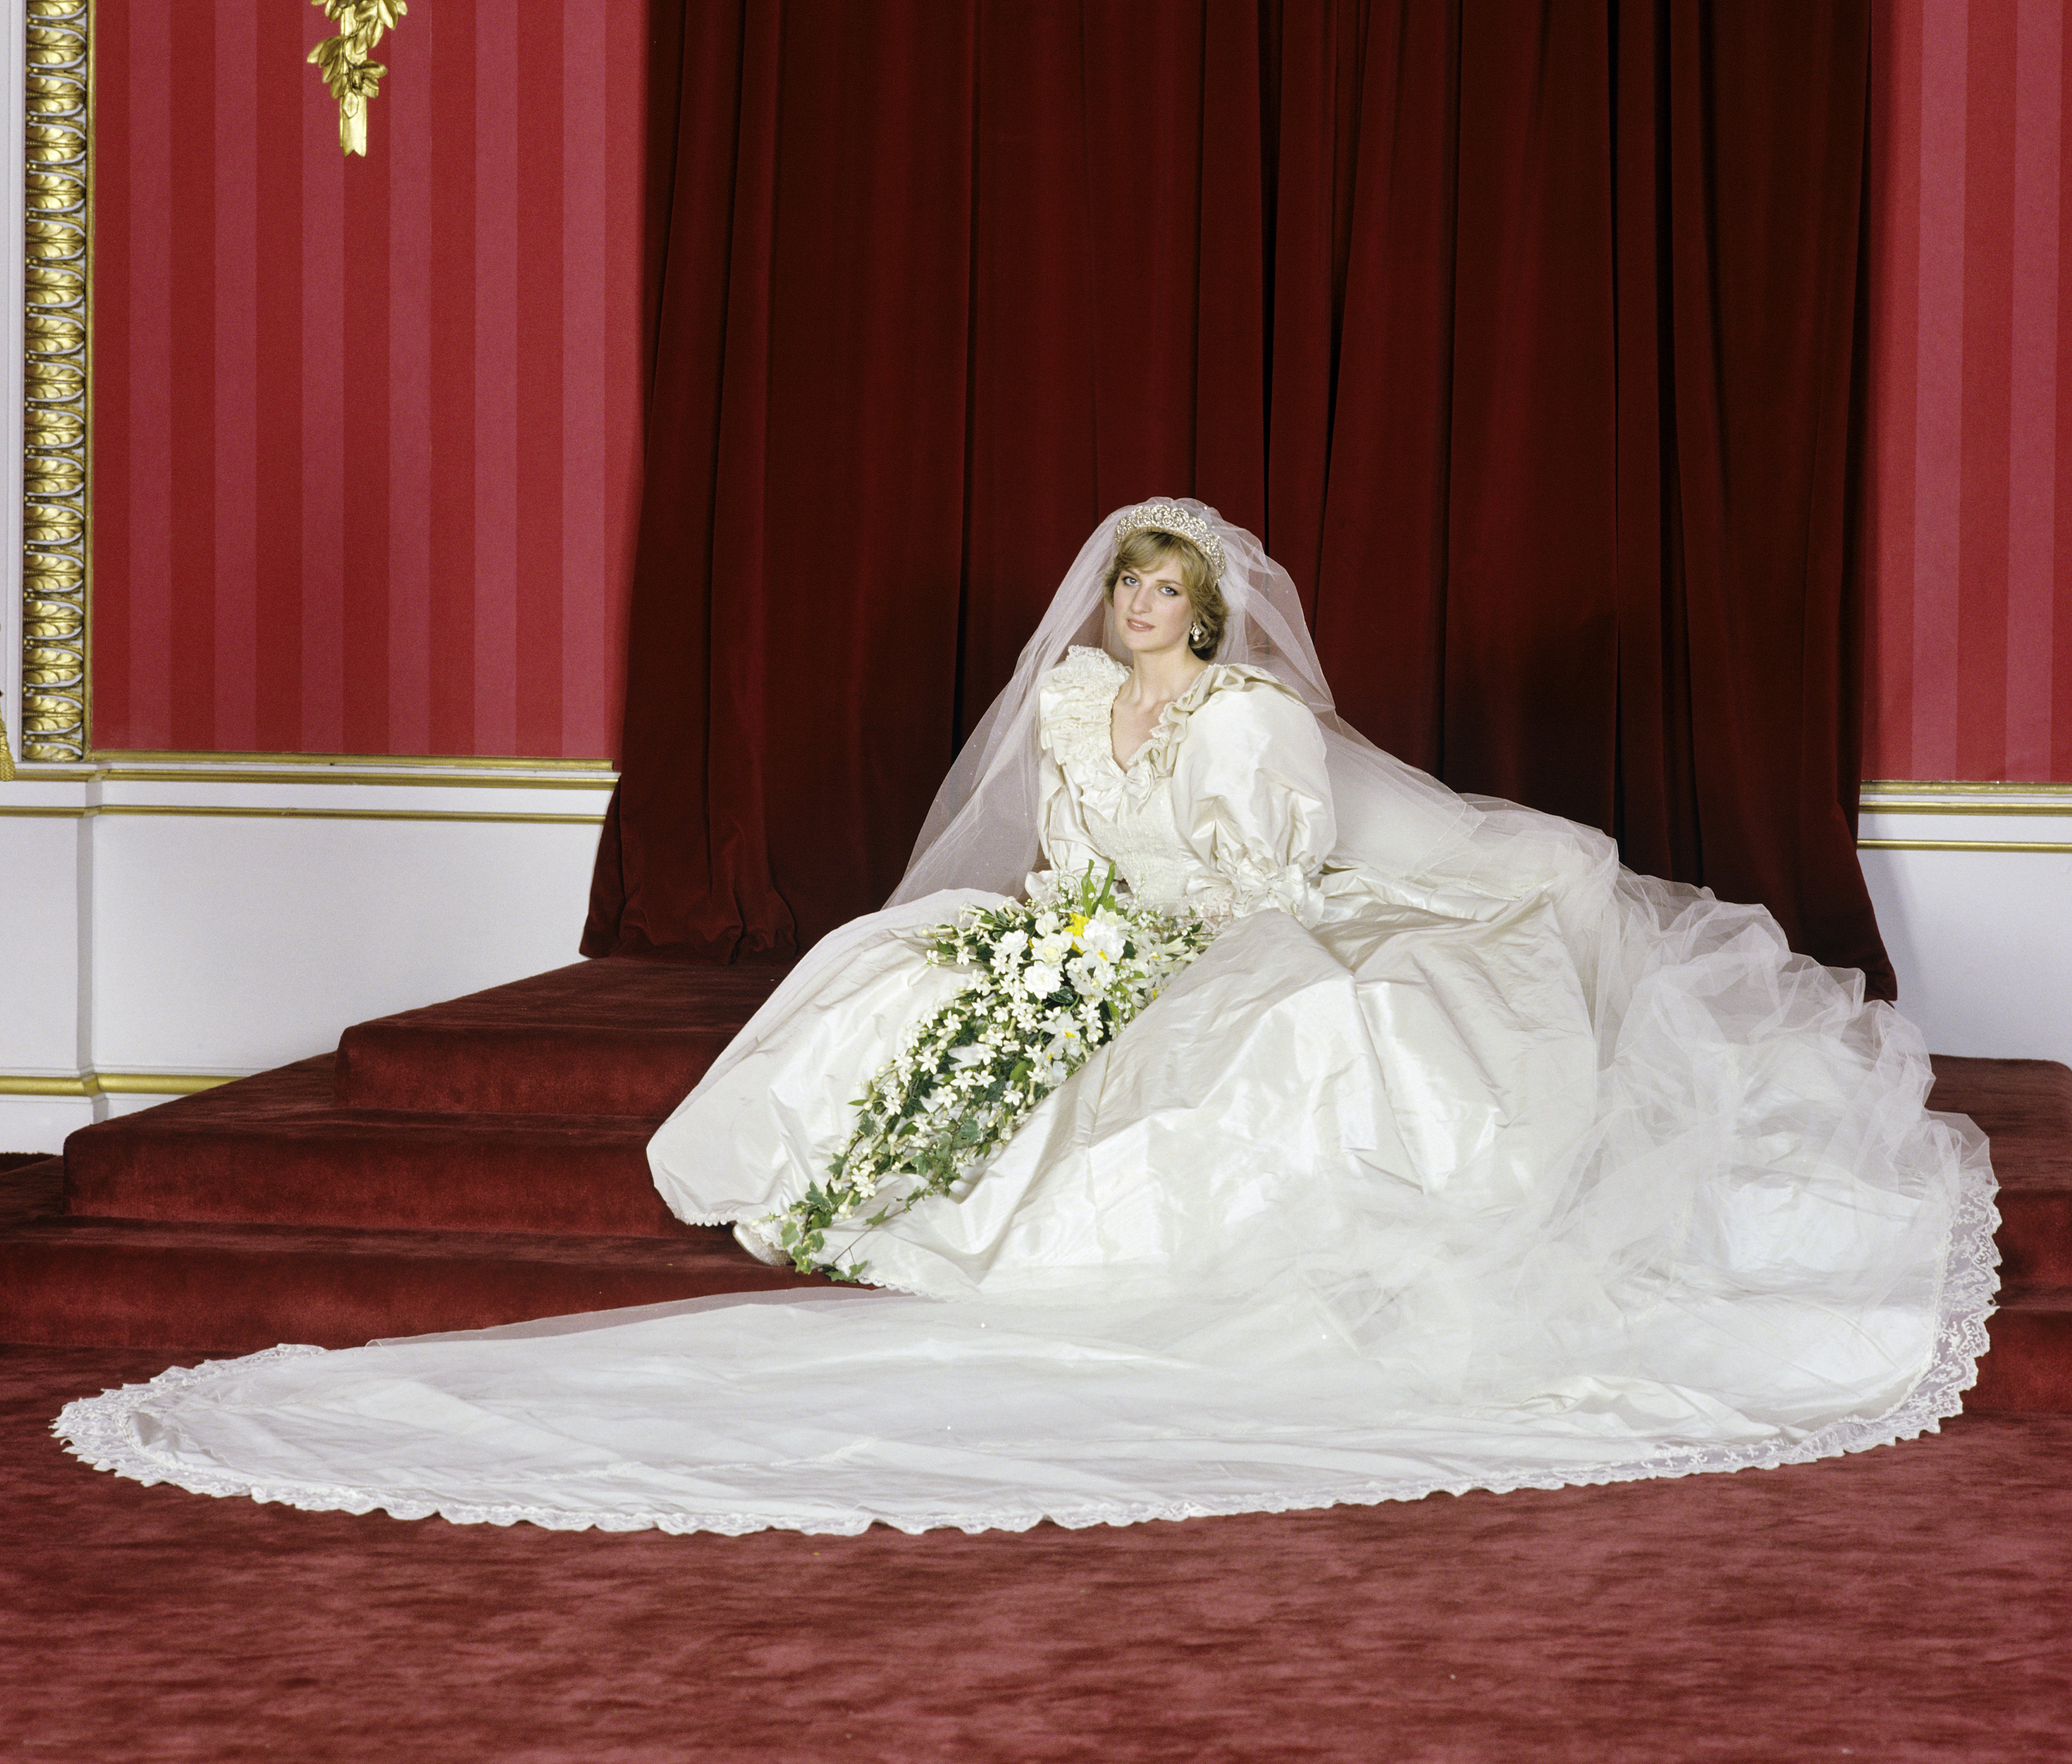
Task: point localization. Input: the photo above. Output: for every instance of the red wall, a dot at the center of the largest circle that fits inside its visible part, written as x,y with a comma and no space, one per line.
366,446
366,433
1972,392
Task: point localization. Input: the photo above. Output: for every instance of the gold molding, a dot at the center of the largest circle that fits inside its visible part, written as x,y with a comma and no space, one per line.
375,772
57,343
113,1084
142,775
241,811
1965,844
343,61
1959,796
1966,787
315,763
90,810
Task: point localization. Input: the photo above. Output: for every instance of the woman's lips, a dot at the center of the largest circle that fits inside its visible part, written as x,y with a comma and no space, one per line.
1137,624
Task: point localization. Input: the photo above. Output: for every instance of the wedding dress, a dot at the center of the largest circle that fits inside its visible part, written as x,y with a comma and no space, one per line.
1463,1158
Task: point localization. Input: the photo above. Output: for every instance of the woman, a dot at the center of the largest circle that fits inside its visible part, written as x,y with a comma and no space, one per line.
1460,1158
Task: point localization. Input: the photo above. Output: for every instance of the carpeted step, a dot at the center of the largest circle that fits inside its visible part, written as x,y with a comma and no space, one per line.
2028,1369
2031,1099
238,1288
30,1188
275,1149
618,1036
2025,1107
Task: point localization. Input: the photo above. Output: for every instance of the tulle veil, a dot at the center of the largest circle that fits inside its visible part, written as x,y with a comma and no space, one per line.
1412,838
980,831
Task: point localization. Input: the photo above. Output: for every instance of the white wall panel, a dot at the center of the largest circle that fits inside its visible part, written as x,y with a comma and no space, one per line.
228,945
1982,941
40,952
1973,887
172,919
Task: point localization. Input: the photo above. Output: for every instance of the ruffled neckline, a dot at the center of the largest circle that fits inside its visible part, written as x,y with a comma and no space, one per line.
1079,723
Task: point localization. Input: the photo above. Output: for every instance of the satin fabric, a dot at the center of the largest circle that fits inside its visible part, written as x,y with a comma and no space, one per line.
1554,1174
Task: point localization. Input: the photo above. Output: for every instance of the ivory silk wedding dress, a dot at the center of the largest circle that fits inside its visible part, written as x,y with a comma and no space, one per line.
1462,1159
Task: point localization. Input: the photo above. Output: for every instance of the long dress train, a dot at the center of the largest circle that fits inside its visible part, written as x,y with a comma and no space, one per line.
1515,1170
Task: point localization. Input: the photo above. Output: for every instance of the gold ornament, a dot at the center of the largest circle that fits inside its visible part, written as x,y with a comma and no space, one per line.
51,716
343,60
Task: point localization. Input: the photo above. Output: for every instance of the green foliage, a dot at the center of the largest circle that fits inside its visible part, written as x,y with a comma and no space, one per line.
1050,981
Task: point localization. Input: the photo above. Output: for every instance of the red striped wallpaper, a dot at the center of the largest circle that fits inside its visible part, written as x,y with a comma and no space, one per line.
1972,392
366,445
366,441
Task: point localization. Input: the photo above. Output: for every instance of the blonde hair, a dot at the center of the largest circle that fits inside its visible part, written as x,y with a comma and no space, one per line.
1149,545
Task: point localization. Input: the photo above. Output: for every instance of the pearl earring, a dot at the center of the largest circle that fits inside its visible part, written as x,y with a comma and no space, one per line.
1195,631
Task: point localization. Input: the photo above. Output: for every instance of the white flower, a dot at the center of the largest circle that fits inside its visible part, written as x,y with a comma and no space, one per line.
1009,949
1047,924
1088,973
1042,979
1054,948
1104,936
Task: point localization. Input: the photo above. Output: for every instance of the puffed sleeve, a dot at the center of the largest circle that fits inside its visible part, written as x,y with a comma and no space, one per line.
1253,798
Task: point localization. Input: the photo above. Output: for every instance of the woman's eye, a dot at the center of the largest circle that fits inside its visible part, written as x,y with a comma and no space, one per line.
1168,592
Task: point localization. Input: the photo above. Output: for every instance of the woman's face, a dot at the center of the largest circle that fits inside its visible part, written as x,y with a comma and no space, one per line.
1152,611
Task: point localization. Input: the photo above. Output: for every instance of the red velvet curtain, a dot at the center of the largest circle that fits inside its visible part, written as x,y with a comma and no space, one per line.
1528,333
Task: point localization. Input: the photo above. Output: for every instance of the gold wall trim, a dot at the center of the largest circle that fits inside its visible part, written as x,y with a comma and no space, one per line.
314,765
57,247
1964,845
243,813
1947,796
146,775
89,812
1887,805
112,1084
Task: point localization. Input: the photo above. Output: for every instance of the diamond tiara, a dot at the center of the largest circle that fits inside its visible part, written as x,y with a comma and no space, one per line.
1168,517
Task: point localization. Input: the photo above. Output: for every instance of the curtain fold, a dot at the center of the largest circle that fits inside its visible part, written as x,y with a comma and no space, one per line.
1527,332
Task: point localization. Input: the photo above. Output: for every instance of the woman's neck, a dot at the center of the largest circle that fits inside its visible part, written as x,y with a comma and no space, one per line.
1160,677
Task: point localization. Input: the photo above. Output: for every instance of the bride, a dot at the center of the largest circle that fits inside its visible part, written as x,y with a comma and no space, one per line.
1462,1158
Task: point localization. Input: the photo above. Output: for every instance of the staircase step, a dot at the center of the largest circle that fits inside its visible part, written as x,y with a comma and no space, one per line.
236,1289
275,1149
617,1036
31,1189
2028,1369
2030,1099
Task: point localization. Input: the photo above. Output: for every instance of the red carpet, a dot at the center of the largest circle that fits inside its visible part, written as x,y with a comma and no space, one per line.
1901,1606
482,1161
428,1176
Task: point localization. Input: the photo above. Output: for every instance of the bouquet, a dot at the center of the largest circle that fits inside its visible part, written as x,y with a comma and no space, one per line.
1052,979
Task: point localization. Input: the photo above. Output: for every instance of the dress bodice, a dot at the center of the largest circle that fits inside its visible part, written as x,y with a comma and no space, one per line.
1226,807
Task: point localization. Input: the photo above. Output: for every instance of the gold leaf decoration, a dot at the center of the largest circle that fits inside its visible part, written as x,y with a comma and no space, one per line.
56,292
345,61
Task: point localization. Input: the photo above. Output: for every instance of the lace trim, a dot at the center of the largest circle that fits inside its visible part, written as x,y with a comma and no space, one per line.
1078,698
1076,726
101,1431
